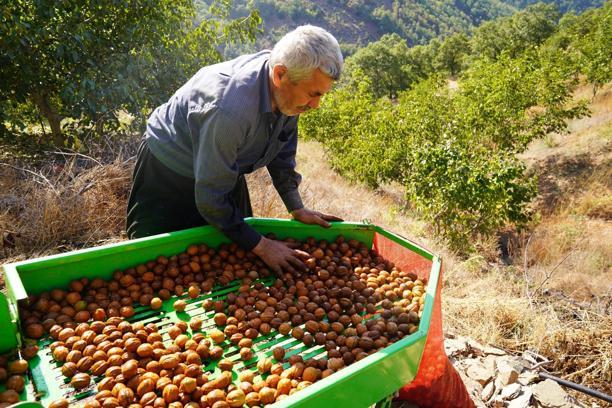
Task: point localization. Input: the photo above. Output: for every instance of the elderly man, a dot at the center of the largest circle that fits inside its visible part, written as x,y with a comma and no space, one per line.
226,121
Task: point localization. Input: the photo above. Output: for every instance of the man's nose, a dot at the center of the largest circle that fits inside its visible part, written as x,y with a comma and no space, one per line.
314,102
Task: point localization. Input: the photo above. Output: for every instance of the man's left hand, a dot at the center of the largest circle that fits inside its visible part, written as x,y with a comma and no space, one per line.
306,216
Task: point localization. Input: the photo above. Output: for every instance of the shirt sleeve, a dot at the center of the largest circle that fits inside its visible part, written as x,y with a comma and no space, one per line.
284,177
215,149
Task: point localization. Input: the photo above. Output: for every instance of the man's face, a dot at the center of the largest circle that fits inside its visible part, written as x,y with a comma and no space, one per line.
295,97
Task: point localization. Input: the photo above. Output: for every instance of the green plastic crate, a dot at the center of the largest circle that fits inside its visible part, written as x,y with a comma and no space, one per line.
364,383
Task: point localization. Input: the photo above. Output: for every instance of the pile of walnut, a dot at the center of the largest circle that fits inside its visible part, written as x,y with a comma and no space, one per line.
351,301
12,371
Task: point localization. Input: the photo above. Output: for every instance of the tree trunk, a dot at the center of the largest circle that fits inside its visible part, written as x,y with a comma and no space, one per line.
595,89
42,126
54,119
100,125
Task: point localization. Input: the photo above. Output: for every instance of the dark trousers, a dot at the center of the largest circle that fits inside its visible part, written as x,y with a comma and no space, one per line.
163,201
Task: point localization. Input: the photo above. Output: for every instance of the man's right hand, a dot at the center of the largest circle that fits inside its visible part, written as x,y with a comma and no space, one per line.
279,255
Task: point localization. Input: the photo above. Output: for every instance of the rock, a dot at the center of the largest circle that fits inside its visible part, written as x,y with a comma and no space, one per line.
507,374
494,351
473,387
488,391
528,357
455,347
523,364
479,373
527,377
462,346
510,391
497,402
489,362
475,345
523,400
463,365
515,363
550,395
505,377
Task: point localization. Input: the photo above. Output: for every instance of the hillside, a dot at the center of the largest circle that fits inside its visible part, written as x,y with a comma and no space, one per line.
358,22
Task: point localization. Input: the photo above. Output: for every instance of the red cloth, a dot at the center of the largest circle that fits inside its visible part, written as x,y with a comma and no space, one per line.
437,383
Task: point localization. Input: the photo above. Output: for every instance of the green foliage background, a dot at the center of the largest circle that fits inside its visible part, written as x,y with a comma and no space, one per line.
394,117
87,60
358,22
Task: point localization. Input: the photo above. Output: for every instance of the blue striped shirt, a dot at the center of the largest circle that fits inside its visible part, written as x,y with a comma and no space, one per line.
220,125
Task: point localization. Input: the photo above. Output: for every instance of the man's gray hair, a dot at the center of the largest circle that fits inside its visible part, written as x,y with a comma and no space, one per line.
305,49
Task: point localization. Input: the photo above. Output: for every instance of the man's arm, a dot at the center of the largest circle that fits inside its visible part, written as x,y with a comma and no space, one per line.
284,177
286,181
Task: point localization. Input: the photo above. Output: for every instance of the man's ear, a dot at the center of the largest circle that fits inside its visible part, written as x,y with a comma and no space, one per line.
278,73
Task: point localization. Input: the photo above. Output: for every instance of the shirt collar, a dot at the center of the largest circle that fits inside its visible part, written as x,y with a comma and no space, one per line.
265,105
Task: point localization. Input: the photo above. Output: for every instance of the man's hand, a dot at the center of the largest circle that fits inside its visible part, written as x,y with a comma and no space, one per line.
306,216
279,255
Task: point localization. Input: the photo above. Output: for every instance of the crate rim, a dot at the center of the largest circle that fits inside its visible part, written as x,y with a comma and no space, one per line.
102,249
17,291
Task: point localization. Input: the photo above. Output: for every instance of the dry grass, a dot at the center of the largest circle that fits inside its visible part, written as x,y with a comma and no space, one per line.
588,135
61,207
490,303
572,254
